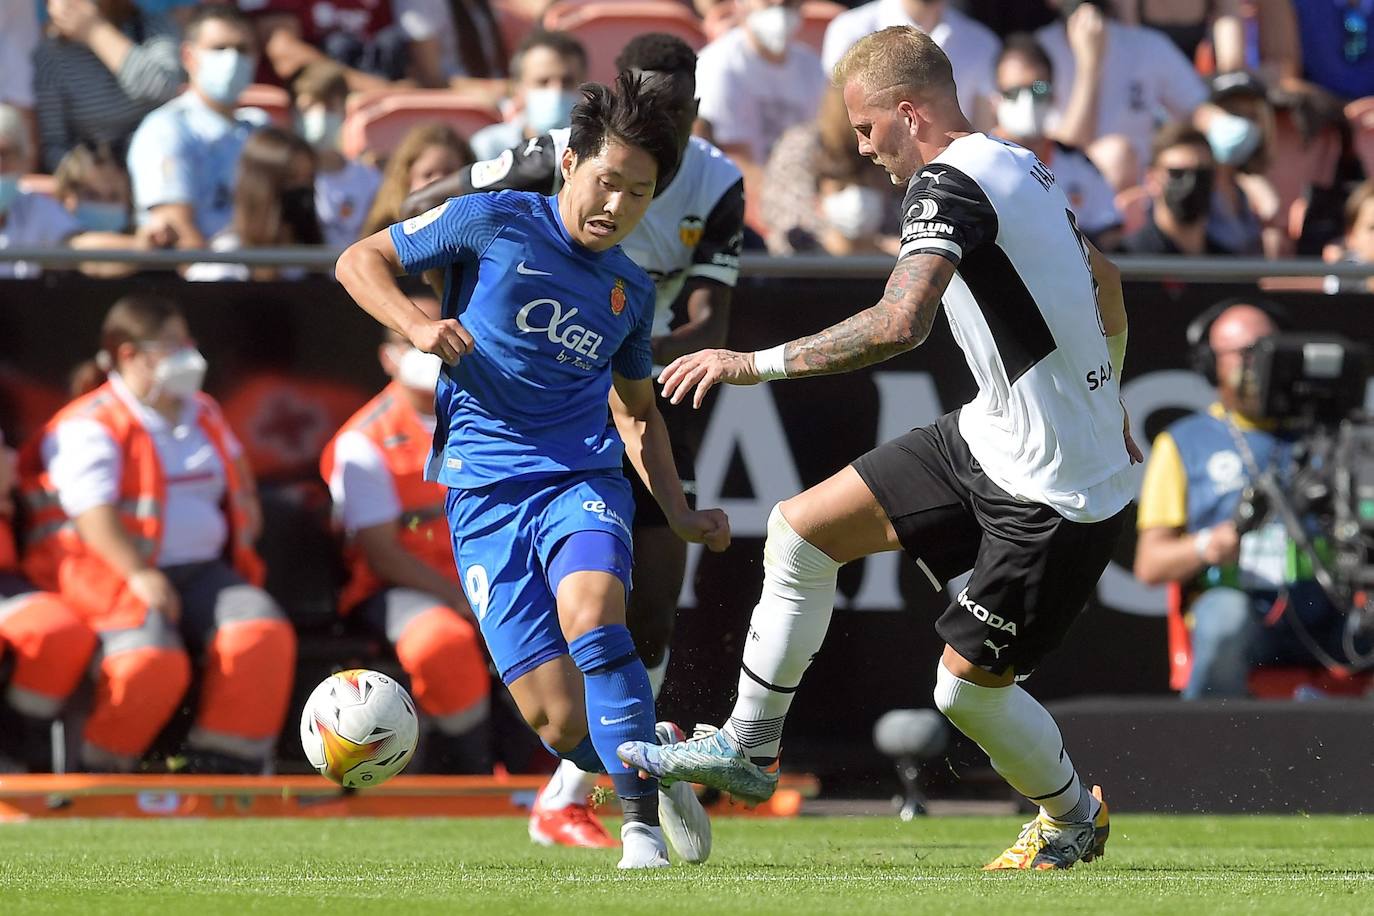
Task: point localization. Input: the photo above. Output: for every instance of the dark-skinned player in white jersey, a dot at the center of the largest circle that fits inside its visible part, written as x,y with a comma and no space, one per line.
1027,484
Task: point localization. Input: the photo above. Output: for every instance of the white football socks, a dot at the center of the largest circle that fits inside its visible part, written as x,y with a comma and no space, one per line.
567,786
658,673
1020,738
785,633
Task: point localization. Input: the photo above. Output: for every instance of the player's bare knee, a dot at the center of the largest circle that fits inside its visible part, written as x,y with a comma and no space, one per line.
563,729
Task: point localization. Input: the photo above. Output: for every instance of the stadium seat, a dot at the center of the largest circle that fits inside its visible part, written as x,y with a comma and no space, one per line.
377,127
816,16
604,28
272,99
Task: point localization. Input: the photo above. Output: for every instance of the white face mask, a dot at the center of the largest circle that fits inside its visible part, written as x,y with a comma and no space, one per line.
223,73
416,369
320,127
774,26
180,374
548,108
1025,117
855,213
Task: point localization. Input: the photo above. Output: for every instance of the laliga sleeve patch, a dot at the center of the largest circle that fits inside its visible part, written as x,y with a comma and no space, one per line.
489,171
416,223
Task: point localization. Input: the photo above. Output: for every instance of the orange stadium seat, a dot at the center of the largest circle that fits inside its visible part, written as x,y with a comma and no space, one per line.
816,16
377,127
604,27
272,99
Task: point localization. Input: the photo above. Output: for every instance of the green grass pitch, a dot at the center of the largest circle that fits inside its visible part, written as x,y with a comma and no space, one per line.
1202,865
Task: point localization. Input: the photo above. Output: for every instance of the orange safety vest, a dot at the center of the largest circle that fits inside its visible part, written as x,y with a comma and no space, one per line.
395,429
55,557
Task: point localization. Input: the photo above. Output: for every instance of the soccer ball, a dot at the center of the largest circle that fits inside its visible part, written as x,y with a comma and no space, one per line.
359,728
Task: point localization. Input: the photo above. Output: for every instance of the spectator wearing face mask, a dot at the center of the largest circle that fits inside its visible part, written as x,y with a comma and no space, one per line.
754,82
819,194
144,515
344,188
274,204
1180,180
30,219
545,72
102,67
970,46
1244,200
1025,81
1135,76
94,188
183,156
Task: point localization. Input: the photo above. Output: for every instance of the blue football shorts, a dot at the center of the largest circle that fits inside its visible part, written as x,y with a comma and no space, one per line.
505,537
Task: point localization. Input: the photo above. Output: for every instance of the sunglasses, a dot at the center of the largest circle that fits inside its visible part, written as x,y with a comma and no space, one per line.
1040,89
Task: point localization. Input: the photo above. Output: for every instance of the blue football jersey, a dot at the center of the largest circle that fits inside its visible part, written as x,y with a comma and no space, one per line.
551,321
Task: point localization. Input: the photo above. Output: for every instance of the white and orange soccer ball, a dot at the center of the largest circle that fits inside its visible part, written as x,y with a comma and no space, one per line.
359,728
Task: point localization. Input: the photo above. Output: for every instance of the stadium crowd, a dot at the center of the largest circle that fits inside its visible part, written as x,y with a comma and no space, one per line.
1228,127
1183,127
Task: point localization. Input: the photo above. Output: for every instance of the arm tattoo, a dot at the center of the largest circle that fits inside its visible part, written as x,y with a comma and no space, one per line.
899,322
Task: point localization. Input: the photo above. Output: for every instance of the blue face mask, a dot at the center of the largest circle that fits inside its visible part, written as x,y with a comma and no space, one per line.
102,216
9,190
223,73
548,108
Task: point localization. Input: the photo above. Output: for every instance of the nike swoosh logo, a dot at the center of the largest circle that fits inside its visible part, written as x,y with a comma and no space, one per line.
530,271
606,721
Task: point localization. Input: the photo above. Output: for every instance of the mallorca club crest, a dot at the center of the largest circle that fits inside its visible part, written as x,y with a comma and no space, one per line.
690,230
618,296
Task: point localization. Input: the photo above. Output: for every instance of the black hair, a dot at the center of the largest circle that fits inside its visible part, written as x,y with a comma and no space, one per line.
225,12
561,43
1024,44
661,52
631,112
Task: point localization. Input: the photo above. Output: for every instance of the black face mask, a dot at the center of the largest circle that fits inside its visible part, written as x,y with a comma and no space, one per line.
1188,193
298,212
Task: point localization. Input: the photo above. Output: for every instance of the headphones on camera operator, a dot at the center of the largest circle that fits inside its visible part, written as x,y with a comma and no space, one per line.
1262,497
1201,358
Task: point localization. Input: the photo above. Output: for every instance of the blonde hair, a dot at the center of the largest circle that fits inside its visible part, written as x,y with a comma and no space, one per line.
898,57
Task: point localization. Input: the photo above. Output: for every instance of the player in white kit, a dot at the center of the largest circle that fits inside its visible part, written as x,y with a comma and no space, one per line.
1027,484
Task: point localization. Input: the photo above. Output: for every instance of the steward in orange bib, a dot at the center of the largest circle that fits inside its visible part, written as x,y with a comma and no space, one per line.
403,582
142,516
50,646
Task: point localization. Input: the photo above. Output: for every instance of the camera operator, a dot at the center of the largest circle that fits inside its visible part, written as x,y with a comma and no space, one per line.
1192,499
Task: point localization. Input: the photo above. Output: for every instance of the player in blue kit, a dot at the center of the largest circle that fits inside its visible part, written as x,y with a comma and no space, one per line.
544,320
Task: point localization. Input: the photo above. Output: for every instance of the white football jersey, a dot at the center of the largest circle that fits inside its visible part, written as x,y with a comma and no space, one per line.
692,228
1046,422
